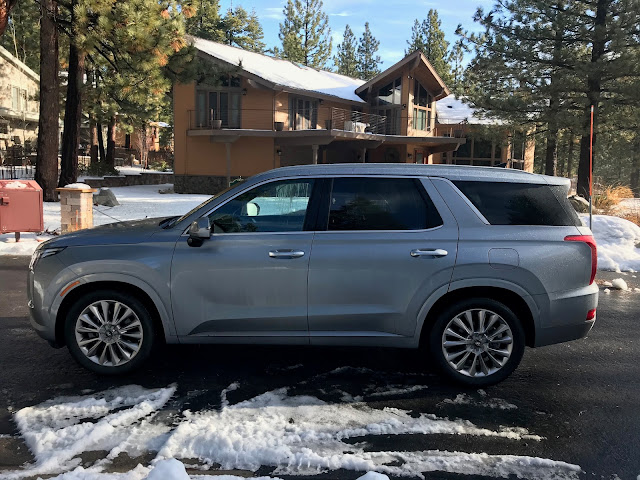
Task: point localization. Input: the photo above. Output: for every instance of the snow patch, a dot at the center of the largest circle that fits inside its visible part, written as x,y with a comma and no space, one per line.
305,435
78,186
606,290
620,284
117,420
607,284
14,185
616,239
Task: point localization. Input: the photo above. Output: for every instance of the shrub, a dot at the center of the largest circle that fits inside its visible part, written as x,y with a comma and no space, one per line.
605,198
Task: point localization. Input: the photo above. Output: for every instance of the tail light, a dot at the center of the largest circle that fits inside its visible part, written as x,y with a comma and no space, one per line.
589,240
591,314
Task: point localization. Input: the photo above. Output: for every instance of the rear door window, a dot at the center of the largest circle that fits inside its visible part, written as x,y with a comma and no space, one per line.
380,204
520,203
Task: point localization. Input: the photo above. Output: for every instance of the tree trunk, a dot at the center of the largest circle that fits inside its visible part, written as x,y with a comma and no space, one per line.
551,156
72,117
111,143
5,10
635,168
47,156
93,130
594,87
103,155
570,155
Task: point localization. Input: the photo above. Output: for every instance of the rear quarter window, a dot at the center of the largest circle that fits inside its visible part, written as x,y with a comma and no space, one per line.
520,203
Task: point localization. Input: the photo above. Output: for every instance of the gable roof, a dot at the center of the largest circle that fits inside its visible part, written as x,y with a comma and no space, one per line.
4,53
277,73
452,110
418,63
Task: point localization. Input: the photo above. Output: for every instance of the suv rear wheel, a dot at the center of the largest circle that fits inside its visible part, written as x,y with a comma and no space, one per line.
477,342
109,332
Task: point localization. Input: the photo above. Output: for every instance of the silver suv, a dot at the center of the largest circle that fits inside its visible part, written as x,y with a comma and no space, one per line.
472,264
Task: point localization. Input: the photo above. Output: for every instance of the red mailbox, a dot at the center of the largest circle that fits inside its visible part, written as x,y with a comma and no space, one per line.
20,207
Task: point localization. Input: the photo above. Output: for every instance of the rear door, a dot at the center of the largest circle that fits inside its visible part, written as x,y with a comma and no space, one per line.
382,246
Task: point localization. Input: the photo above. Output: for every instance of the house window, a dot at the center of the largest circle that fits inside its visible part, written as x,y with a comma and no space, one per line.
4,129
18,99
388,99
303,114
222,103
422,106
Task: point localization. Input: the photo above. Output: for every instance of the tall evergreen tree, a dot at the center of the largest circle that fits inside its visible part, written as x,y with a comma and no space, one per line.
436,47
346,60
418,41
205,23
305,33
523,71
243,30
368,62
47,147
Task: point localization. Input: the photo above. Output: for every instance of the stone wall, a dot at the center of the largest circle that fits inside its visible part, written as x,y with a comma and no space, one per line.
205,184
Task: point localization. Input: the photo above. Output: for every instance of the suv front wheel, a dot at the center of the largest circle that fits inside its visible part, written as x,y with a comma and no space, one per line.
109,332
477,342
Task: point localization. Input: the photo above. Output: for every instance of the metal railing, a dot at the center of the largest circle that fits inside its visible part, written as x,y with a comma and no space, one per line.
316,118
358,122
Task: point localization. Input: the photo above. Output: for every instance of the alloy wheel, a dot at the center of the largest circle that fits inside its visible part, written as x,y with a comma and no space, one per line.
477,342
109,333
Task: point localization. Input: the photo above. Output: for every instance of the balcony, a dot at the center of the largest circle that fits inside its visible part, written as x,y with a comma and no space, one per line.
320,118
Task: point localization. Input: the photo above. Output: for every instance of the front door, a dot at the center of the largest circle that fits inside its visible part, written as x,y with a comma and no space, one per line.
388,244
250,278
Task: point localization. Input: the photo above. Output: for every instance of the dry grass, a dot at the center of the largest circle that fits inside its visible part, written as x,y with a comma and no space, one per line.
606,198
632,217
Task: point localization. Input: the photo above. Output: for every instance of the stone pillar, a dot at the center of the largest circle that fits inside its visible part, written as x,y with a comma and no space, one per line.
76,208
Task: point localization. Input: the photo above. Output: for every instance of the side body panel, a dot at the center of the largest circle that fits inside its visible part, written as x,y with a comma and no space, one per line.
367,283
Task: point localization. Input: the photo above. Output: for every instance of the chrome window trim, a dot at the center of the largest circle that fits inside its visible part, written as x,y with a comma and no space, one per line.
298,177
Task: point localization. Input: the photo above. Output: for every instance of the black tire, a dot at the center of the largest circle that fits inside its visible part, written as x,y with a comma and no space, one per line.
143,315
448,314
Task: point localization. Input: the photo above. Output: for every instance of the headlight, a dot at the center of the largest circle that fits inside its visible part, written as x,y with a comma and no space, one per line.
43,252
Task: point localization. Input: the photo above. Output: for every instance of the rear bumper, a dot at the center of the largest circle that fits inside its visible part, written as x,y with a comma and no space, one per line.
564,316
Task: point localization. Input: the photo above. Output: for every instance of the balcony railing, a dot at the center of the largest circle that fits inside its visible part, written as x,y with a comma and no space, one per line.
358,122
328,118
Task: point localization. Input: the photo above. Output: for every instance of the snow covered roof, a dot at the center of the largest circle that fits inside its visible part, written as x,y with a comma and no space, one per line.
282,73
452,110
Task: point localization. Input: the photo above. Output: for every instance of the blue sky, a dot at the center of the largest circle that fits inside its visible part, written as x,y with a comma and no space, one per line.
390,20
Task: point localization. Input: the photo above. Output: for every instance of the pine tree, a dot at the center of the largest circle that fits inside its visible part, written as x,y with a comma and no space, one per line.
368,62
418,41
243,30
436,47
205,23
346,60
456,58
47,147
305,33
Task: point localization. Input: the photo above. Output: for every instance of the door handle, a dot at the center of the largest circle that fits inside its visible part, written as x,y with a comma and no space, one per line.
435,252
286,253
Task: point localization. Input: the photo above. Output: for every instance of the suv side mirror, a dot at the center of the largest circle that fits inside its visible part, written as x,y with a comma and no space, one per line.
198,231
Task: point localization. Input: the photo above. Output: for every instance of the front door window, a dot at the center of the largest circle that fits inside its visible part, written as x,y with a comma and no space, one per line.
273,207
303,114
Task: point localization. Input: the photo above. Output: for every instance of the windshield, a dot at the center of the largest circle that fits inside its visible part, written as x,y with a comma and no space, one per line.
175,220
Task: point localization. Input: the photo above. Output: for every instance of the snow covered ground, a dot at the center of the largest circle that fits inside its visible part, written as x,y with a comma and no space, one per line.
294,434
136,202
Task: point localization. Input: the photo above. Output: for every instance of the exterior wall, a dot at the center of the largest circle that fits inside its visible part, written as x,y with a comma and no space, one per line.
18,116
